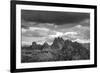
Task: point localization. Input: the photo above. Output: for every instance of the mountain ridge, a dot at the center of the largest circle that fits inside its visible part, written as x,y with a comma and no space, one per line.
59,50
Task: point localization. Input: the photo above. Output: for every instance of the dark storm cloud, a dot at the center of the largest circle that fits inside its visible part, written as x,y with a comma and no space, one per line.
53,17
41,26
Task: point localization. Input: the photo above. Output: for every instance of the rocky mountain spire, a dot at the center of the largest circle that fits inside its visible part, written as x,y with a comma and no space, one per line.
58,43
45,45
60,50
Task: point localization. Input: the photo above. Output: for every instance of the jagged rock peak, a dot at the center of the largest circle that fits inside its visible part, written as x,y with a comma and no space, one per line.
58,43
68,41
46,44
58,40
33,43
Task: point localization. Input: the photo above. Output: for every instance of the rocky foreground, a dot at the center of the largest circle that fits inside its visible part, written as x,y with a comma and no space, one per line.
60,50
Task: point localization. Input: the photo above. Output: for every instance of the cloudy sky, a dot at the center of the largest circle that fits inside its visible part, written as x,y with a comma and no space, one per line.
41,26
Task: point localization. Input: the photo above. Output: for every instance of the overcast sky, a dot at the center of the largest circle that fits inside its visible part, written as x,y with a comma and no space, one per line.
41,26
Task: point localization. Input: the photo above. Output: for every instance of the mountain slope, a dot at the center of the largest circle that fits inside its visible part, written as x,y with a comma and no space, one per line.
59,50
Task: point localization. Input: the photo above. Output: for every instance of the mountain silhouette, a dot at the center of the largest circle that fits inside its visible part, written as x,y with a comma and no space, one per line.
59,50
45,45
58,43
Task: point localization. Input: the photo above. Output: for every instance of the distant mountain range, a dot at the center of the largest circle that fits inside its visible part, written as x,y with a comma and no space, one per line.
59,50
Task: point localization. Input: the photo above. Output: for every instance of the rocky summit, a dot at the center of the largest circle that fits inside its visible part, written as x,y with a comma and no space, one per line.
59,50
